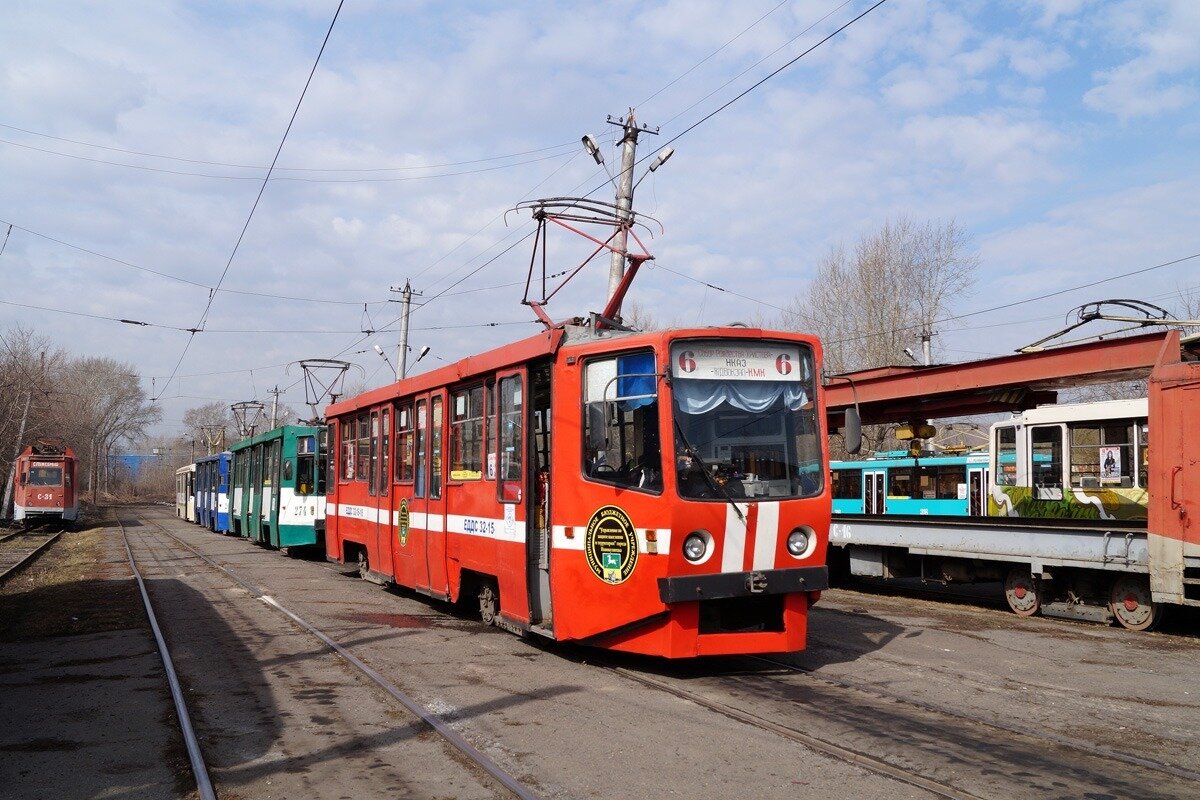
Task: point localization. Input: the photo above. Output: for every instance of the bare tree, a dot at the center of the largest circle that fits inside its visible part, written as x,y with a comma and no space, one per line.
111,408
210,424
873,302
869,304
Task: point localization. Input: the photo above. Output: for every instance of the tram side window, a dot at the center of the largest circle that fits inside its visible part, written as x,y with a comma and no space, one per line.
362,455
1102,454
1046,446
435,451
385,443
900,483
949,478
489,433
620,433
847,484
404,443
466,435
325,465
373,454
1143,454
1006,456
349,432
422,427
511,439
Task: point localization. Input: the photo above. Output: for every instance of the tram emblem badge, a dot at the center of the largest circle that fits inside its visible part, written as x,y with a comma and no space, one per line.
611,545
402,522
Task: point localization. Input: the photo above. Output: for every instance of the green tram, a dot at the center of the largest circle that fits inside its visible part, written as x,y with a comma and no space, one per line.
277,486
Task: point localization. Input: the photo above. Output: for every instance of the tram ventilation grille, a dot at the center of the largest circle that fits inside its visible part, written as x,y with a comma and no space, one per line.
758,614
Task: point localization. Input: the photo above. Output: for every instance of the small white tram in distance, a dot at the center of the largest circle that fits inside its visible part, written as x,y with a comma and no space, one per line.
185,492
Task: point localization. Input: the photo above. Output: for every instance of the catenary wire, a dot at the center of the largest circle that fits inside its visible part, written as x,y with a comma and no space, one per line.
702,61
189,282
271,176
410,168
261,189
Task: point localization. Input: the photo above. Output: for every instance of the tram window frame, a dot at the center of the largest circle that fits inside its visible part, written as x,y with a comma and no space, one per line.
467,433
373,453
510,460
897,476
325,459
636,426
1050,477
385,444
846,483
405,443
347,438
1089,438
362,451
1000,447
420,460
436,444
490,429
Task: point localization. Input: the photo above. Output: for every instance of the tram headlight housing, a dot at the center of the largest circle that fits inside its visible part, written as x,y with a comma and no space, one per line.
697,546
801,542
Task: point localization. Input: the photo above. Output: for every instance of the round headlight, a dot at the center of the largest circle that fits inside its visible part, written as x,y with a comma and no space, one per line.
797,542
694,547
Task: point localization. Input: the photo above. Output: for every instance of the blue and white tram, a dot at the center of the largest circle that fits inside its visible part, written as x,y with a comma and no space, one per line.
212,492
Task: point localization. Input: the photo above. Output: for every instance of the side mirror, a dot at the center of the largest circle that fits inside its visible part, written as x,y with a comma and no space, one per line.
597,419
852,431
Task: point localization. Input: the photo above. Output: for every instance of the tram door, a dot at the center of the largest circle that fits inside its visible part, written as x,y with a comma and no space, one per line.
874,491
429,501
977,492
379,481
537,507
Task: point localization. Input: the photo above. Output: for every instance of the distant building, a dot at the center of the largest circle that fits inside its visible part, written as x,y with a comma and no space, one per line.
129,466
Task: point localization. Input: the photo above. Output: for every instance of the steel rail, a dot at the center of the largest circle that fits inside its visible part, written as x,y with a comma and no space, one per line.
199,770
1065,741
832,749
28,557
429,718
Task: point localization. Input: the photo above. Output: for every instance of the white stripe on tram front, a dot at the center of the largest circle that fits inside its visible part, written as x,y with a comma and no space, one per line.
766,536
733,555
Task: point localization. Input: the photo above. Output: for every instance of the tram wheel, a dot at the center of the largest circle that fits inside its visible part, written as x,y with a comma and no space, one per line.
489,603
1132,604
1023,592
364,566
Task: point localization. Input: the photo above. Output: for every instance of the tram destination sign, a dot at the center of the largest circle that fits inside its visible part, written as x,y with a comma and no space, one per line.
737,361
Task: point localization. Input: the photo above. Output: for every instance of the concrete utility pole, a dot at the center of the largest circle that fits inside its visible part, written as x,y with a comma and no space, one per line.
624,198
406,296
926,339
274,404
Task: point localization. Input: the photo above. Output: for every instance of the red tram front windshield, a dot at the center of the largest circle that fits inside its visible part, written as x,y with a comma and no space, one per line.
659,493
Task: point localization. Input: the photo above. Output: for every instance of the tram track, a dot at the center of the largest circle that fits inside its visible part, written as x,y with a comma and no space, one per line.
16,554
426,717
920,743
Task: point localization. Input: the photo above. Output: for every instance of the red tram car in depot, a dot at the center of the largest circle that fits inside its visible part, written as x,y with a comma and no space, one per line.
660,493
44,485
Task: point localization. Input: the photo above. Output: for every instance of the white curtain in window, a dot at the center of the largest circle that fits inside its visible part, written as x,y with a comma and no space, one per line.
701,396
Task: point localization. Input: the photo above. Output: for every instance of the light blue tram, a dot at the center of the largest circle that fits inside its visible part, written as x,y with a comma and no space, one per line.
894,482
212,491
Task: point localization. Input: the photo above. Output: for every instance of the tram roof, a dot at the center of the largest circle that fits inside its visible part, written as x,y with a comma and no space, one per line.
543,343
1007,383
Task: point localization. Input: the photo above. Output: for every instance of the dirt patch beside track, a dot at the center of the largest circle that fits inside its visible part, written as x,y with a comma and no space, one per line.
81,584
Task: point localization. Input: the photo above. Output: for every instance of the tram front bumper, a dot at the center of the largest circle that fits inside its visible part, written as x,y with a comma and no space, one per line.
722,585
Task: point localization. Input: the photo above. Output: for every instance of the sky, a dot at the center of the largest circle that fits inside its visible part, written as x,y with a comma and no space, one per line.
1062,135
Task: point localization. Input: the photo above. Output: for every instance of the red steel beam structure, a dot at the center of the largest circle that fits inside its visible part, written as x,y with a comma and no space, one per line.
1006,383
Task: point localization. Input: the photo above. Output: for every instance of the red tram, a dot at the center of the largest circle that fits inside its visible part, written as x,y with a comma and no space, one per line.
44,485
659,493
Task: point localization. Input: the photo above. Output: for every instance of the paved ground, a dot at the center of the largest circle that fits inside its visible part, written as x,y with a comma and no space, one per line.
967,696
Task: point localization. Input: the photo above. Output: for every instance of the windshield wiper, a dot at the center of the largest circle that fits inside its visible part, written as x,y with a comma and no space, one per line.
691,451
